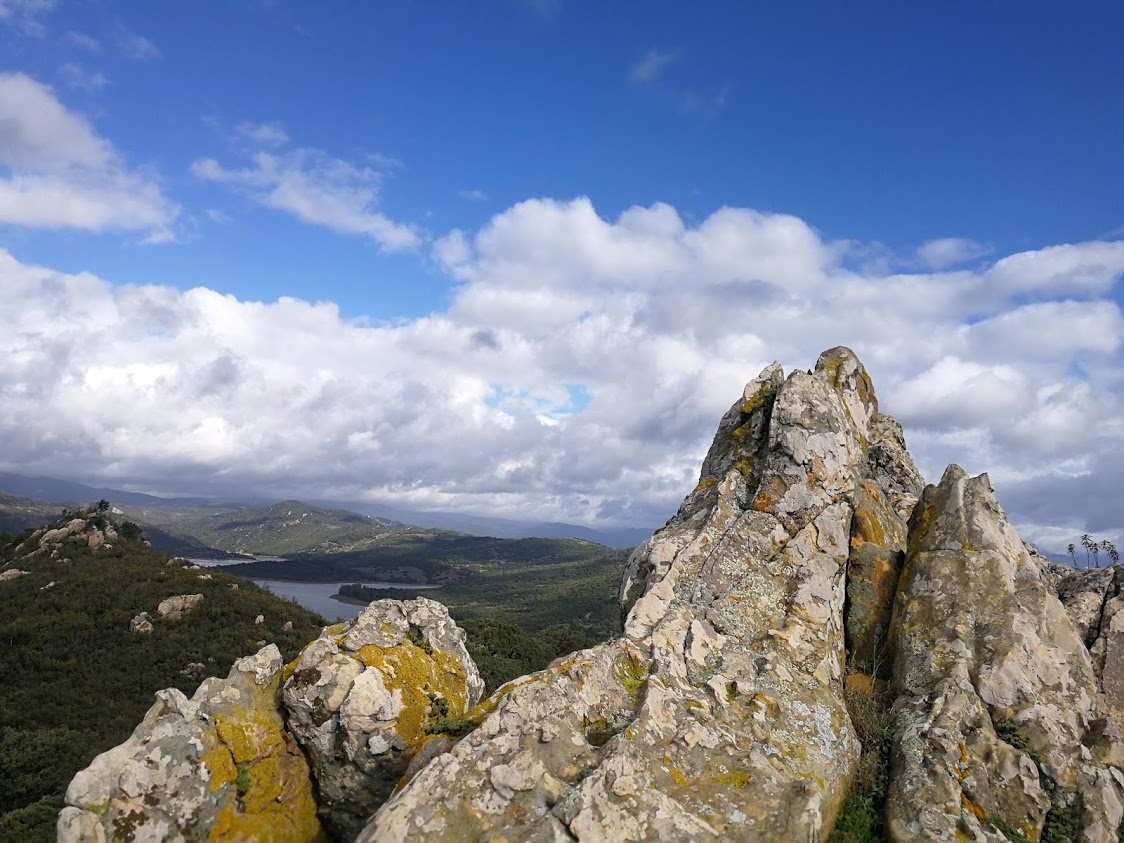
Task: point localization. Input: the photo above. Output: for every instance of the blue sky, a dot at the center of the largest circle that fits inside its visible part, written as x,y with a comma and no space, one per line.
538,178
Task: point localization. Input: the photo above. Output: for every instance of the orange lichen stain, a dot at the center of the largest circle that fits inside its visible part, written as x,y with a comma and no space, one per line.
763,501
866,528
972,808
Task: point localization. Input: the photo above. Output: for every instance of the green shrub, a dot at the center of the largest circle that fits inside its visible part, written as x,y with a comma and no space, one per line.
862,817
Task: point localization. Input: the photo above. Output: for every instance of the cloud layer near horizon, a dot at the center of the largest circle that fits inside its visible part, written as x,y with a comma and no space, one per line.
1013,367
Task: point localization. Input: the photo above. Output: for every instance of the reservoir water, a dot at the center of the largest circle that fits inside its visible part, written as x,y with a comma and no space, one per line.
317,596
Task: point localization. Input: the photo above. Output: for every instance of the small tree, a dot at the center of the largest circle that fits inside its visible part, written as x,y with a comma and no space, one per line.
1072,551
1087,543
1111,550
1096,548
103,505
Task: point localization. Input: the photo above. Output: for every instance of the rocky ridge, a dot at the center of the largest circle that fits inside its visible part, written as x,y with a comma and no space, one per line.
272,750
808,568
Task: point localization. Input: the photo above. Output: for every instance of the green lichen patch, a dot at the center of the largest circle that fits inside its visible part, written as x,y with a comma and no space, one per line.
762,399
632,675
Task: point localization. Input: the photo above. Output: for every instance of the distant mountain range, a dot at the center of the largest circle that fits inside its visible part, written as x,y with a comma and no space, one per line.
190,525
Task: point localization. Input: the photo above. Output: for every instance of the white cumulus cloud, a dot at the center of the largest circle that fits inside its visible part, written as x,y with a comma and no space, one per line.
57,172
312,186
578,372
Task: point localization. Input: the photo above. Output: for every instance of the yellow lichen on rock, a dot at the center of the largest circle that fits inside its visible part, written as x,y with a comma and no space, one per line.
218,768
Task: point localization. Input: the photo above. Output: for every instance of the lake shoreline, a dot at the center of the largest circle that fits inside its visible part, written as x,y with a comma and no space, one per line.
351,601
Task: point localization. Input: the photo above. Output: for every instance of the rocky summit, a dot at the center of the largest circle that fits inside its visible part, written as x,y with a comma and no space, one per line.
815,644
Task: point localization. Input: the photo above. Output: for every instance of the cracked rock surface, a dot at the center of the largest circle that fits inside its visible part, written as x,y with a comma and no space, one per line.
718,715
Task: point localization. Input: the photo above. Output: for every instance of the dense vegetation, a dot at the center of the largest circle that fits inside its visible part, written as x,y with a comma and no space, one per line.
77,681
503,651
576,586
525,611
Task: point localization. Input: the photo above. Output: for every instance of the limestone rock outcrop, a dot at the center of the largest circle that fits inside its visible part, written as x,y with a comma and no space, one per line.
366,695
88,526
218,766
362,702
174,608
1094,600
718,715
998,716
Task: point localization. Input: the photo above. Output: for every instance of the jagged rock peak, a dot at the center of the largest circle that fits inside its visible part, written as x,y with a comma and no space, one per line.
718,715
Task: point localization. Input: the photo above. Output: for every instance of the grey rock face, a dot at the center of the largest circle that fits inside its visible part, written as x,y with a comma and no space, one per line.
141,624
1094,598
363,695
997,702
718,715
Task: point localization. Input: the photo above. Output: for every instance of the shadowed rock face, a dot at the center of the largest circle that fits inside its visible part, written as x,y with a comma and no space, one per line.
718,715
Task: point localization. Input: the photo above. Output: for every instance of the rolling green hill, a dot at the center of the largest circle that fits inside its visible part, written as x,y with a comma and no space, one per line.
276,530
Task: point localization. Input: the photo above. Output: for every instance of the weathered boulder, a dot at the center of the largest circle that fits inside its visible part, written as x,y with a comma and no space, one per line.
141,624
997,715
718,715
367,695
11,574
216,767
174,608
